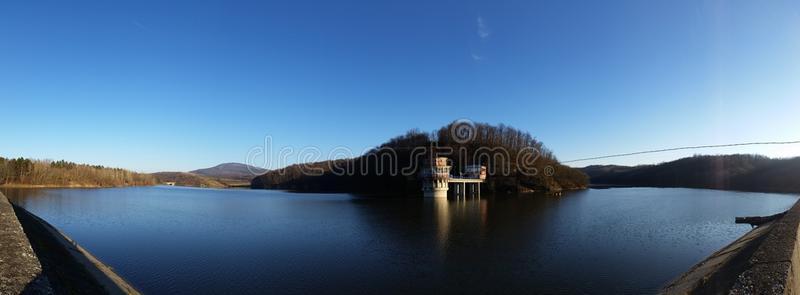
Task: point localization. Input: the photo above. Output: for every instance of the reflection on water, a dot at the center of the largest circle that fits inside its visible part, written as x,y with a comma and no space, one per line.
442,222
463,211
181,240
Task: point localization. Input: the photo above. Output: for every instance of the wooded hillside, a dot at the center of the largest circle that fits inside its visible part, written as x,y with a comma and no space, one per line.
27,172
727,172
487,140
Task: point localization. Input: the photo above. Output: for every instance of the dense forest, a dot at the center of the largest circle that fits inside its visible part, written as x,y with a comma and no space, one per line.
26,172
726,172
540,170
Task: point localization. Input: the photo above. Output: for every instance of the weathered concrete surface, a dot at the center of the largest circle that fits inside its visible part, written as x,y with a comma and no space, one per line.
764,261
20,271
35,258
70,268
775,266
717,273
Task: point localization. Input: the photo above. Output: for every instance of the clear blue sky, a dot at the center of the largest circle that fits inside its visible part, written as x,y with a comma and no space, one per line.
180,85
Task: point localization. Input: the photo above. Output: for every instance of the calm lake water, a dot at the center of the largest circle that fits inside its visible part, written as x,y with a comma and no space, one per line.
182,240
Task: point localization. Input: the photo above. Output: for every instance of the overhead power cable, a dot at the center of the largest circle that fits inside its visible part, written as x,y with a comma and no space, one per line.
685,148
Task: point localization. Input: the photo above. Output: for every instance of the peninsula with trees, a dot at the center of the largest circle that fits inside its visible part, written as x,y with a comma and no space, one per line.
542,172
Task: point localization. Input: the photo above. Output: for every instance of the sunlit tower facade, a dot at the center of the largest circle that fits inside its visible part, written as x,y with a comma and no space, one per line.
435,177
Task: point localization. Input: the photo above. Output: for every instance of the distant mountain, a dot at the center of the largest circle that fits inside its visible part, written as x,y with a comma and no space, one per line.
187,179
222,175
231,171
727,172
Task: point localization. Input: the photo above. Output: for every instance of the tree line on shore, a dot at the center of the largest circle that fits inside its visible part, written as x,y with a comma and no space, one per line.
540,172
27,172
741,172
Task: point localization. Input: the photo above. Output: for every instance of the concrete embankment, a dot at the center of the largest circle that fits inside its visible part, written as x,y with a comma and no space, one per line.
766,260
53,263
20,270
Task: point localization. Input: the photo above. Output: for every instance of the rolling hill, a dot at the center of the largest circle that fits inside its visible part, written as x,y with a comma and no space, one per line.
726,172
552,176
188,179
222,175
231,171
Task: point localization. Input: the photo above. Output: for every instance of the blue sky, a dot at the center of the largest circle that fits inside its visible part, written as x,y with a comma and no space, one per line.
180,85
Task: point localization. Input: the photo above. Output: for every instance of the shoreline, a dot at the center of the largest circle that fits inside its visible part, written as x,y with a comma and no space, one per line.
12,185
764,260
610,186
20,269
69,267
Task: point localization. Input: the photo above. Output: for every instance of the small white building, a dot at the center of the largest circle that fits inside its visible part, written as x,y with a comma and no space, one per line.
436,179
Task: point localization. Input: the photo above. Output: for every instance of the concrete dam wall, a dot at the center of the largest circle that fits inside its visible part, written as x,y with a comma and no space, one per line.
20,270
766,260
36,258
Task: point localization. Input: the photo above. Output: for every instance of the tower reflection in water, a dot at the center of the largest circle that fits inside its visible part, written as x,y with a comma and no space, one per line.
456,222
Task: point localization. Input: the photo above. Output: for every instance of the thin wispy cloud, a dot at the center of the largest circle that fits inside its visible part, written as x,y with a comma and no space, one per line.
139,25
483,29
483,33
